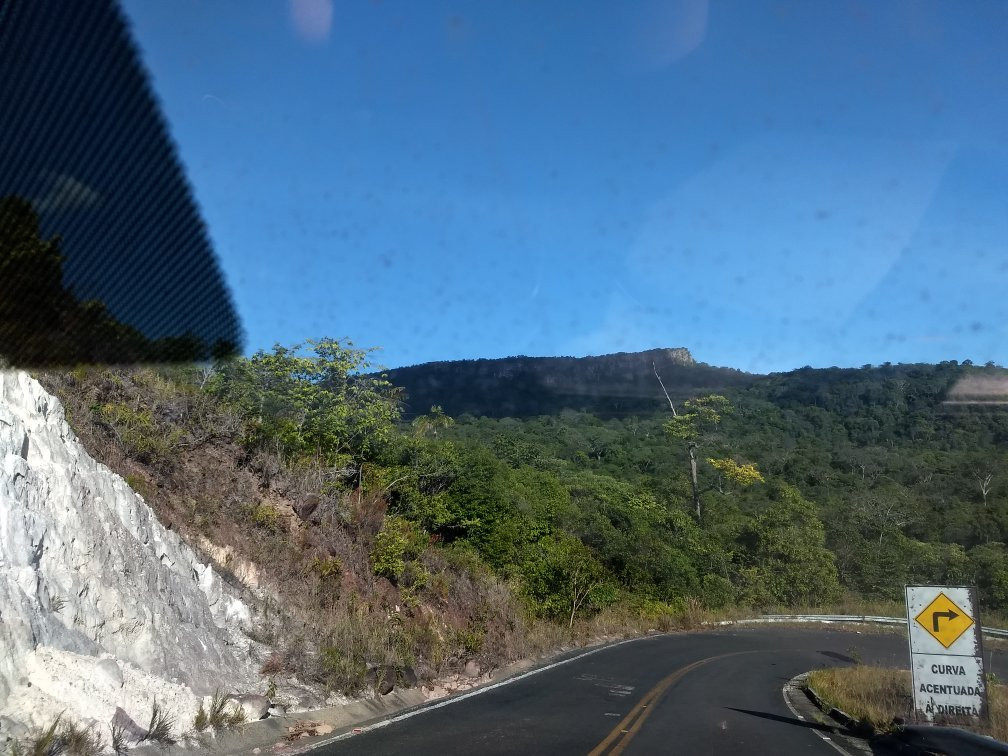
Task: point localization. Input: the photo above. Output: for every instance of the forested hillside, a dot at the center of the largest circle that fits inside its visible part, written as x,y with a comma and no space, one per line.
476,533
907,487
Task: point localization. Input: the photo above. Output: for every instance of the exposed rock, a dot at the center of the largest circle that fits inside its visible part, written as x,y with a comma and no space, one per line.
86,570
519,386
11,730
255,706
407,678
382,679
438,691
308,506
223,556
472,668
108,670
132,730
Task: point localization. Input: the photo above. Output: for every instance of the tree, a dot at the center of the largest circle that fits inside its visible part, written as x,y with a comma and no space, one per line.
886,510
698,427
989,572
642,544
32,297
983,479
434,421
312,400
731,472
416,474
561,575
42,323
784,555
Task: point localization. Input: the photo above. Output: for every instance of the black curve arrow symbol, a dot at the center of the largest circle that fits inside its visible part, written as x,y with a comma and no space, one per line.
935,615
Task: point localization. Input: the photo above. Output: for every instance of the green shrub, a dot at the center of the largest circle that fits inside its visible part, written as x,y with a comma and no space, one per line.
470,640
202,720
717,592
327,567
265,516
659,610
311,401
219,716
140,485
347,672
399,541
464,559
139,435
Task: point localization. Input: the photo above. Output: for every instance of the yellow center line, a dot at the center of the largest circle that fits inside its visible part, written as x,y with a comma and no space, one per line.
630,725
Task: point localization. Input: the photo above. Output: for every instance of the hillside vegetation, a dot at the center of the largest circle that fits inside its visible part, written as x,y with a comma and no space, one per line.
904,487
417,546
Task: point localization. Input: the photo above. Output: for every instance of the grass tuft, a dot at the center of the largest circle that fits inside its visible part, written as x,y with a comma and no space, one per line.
47,742
220,716
119,740
59,738
161,725
202,720
81,741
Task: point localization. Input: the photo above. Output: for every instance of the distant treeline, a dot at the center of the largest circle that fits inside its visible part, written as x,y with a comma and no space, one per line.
42,322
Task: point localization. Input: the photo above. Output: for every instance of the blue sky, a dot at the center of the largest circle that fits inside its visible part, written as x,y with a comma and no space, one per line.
770,184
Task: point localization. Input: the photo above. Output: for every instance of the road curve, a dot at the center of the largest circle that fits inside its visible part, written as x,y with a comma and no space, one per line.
707,692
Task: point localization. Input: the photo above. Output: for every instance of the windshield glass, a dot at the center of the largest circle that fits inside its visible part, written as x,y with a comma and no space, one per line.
615,364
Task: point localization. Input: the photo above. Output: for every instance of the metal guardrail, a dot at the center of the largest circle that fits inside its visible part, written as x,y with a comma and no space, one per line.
993,632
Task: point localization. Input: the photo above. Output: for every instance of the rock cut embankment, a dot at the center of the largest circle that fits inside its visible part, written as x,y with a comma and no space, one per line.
100,605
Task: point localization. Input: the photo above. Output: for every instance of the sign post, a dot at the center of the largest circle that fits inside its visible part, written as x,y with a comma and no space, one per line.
946,653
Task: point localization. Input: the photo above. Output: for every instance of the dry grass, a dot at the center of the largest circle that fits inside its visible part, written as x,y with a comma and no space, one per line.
161,725
120,740
872,694
878,695
219,717
60,738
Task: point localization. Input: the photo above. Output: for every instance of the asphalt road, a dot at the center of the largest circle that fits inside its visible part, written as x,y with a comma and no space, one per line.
691,693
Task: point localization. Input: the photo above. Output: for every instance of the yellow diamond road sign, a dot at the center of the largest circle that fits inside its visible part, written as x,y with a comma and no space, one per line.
944,621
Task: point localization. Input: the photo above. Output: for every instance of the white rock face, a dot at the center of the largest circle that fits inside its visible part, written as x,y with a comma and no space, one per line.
100,606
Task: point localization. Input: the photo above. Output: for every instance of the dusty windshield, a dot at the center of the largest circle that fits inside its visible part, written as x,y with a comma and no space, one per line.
451,335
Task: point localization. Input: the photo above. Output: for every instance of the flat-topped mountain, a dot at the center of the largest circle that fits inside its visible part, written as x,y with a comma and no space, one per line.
610,384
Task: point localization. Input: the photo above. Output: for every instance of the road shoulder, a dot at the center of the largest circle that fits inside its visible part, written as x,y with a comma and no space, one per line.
835,732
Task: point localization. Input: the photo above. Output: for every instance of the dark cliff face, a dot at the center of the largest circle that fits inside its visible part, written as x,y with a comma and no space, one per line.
608,385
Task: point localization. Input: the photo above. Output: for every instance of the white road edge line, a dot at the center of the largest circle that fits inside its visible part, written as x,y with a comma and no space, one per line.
470,694
784,691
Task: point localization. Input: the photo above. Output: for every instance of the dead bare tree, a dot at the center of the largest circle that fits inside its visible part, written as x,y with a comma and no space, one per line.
664,391
886,511
984,481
